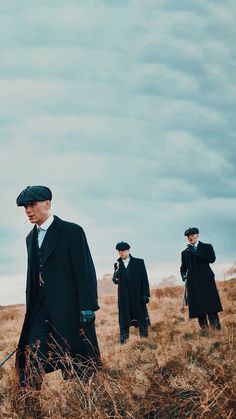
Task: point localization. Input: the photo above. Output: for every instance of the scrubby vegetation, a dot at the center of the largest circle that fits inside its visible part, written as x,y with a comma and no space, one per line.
175,373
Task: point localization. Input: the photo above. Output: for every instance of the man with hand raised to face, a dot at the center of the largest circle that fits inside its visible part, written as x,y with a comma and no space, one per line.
203,298
133,292
61,296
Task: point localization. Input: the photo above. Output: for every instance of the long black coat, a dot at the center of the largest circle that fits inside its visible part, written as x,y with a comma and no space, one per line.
203,296
131,292
70,286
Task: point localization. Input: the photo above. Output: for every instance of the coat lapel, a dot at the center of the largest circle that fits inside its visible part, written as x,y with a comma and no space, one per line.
191,258
200,245
30,242
52,236
130,265
121,266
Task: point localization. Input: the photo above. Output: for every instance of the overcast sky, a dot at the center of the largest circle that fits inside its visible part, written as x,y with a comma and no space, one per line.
126,110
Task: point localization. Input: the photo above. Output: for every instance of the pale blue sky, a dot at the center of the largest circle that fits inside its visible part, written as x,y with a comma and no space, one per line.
126,109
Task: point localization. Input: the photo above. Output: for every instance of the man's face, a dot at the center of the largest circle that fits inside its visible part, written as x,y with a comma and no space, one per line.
38,212
192,238
124,254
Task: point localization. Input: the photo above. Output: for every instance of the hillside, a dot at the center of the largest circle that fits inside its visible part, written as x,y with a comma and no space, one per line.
175,373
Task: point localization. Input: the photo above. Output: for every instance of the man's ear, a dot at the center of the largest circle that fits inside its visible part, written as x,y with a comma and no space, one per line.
48,204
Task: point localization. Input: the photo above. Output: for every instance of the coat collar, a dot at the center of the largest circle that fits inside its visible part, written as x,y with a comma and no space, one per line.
131,259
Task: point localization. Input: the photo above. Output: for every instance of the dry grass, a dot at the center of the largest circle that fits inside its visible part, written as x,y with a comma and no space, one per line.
175,373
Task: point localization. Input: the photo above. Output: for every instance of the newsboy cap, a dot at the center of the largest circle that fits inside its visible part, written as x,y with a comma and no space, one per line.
122,246
33,194
191,230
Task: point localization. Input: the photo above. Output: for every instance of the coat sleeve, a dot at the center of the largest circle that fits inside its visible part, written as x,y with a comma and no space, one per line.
183,267
146,290
84,271
206,253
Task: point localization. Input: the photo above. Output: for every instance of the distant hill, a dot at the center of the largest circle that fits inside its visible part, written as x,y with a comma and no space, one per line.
231,272
106,286
169,281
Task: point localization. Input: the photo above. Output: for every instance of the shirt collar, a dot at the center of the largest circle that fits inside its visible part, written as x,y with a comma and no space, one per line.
196,244
125,261
46,223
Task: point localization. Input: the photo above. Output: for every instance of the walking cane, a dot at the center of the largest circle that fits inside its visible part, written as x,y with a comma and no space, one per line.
185,298
7,357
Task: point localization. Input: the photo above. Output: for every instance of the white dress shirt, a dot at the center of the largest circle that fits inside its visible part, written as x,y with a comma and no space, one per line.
42,230
126,261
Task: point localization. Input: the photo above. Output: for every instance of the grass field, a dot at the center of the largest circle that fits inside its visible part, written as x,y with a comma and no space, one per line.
175,373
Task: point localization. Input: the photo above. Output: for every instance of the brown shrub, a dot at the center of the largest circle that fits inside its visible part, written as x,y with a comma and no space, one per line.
175,373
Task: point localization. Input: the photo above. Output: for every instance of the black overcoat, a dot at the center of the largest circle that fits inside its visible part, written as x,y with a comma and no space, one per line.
70,286
131,292
203,296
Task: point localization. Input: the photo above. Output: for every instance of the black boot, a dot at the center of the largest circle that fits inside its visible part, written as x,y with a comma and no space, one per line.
214,321
202,320
124,335
143,331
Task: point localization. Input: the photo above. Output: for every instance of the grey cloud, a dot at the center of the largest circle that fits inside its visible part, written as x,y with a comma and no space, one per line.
175,153
68,25
67,63
126,109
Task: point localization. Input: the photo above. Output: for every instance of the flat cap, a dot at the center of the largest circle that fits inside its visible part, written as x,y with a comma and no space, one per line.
122,246
191,230
33,194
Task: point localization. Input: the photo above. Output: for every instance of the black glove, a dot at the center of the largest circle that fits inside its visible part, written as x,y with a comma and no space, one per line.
146,299
115,278
87,317
192,248
116,266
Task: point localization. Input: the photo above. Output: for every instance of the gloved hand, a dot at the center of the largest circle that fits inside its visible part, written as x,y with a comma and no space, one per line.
192,248
87,316
115,278
146,299
116,267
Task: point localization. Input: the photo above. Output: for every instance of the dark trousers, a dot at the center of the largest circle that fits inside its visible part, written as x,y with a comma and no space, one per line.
48,350
213,319
124,333
37,352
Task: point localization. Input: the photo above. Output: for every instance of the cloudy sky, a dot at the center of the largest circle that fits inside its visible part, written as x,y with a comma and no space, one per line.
126,110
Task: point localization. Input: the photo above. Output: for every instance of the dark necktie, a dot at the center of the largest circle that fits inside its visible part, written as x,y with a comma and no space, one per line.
41,281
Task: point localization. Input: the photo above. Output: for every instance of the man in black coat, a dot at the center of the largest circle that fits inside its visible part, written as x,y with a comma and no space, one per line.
61,296
133,292
203,298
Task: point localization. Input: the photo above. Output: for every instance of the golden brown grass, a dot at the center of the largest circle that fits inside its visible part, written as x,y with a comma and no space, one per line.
175,373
